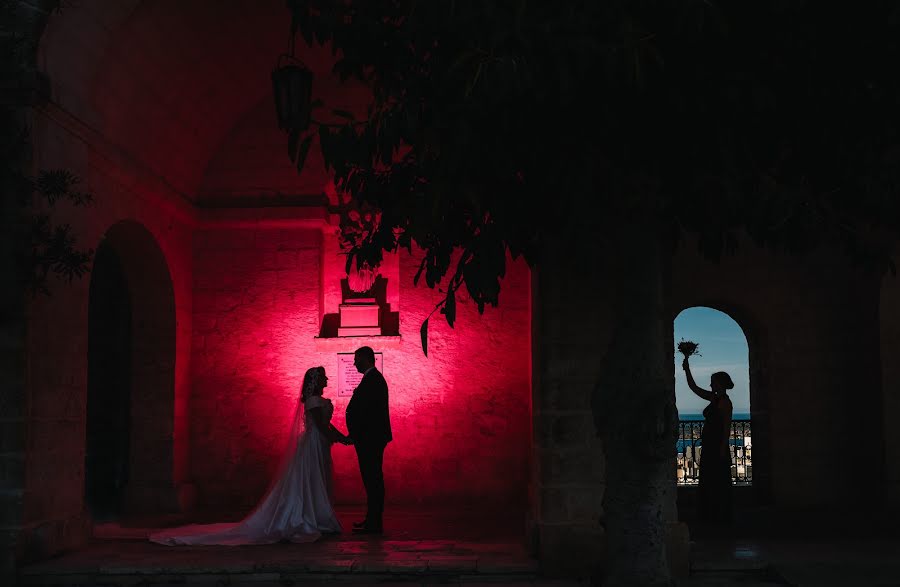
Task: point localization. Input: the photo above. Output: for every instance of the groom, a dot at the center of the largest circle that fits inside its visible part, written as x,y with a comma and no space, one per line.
369,425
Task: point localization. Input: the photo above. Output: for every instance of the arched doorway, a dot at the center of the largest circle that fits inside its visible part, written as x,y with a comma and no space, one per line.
131,376
724,345
723,348
109,386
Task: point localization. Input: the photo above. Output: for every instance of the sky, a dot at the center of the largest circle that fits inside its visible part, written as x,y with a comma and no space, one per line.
723,347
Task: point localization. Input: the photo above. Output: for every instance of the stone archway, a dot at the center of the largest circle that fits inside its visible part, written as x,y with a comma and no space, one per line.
759,401
132,366
108,431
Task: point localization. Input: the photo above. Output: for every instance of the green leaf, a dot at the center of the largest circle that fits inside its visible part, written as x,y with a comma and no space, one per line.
449,309
306,28
321,35
303,152
419,272
293,140
424,333
325,143
349,264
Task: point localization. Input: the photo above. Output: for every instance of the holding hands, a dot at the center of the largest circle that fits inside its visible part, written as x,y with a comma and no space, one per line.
335,435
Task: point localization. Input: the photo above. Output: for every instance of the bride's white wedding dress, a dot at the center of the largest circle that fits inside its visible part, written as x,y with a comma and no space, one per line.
297,507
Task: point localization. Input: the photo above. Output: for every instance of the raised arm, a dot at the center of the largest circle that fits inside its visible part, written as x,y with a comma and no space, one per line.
705,394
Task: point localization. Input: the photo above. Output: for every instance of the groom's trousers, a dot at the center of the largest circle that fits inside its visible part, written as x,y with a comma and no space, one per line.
371,458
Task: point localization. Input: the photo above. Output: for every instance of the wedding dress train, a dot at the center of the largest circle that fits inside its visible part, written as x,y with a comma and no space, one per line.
297,506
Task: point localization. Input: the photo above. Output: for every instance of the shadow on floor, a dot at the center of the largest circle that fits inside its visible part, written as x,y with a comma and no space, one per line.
758,521
401,523
766,545
444,545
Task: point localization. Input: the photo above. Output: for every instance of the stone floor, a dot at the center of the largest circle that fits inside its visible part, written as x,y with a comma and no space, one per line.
419,546
376,560
827,548
829,561
461,548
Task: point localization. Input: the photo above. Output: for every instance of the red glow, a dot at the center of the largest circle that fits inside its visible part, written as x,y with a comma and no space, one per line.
249,296
461,417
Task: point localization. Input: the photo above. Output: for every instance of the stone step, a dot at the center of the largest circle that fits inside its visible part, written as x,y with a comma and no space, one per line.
356,315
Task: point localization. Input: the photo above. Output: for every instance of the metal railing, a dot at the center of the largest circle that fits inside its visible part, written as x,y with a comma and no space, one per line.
689,450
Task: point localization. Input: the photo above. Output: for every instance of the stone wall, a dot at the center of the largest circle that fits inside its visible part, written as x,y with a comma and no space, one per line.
250,297
815,392
572,324
256,306
22,88
251,165
460,416
812,326
463,415
54,512
890,370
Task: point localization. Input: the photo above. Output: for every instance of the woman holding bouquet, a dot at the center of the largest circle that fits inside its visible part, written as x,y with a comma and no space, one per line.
714,491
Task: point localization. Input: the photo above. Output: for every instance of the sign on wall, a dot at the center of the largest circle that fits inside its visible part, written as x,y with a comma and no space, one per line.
348,376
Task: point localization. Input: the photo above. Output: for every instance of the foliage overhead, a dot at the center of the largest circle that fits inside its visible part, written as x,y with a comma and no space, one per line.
495,124
52,247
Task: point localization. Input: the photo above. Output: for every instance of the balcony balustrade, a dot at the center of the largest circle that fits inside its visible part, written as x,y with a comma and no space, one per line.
689,450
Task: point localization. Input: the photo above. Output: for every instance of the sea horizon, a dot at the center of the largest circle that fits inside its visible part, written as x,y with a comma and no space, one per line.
699,415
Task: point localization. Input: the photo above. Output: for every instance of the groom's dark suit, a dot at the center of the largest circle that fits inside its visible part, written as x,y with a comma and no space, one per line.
369,425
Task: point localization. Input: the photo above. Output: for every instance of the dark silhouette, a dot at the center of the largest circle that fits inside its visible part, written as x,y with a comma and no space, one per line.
714,491
297,506
706,134
369,427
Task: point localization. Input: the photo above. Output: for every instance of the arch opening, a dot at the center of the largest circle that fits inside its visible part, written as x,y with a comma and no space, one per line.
109,386
131,377
723,348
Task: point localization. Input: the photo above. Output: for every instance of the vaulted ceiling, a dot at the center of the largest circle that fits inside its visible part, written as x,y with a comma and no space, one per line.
175,84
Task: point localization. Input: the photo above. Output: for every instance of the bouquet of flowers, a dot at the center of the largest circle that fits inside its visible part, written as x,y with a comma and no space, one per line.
688,348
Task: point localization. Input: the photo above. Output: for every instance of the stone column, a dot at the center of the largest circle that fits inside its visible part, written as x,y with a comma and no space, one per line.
20,87
573,316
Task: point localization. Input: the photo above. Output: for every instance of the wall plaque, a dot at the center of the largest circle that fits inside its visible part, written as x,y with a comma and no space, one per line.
348,376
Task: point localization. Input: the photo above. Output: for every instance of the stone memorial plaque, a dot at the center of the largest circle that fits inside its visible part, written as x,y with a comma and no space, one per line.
348,376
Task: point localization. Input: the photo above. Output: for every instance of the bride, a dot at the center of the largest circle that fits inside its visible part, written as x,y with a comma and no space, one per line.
297,507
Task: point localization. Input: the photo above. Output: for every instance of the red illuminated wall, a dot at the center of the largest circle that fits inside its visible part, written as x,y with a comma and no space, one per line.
153,125
461,417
